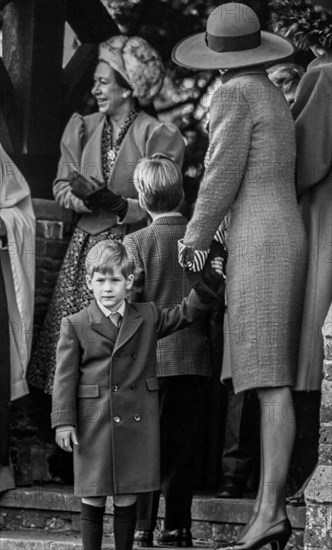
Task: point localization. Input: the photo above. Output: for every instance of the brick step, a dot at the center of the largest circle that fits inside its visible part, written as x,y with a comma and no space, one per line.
55,509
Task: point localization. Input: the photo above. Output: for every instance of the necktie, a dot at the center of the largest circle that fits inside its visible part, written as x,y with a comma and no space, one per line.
116,318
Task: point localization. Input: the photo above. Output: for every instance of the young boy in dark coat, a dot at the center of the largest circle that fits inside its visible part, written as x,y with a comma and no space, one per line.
183,359
105,398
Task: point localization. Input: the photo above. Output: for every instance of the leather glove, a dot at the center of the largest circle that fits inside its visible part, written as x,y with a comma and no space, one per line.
83,188
109,200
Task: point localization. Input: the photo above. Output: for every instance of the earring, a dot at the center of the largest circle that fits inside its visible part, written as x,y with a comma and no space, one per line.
125,94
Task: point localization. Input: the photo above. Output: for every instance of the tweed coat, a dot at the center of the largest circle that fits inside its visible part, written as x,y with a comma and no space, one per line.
105,385
312,112
250,169
81,150
160,278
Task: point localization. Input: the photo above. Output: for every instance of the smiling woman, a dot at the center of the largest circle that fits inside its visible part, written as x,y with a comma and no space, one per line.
95,175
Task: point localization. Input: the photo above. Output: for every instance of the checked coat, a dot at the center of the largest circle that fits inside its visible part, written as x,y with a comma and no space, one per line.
160,278
105,385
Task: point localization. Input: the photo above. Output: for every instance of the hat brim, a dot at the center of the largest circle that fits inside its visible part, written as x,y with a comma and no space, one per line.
193,53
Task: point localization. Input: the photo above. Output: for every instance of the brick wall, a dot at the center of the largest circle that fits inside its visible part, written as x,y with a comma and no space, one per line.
53,231
31,437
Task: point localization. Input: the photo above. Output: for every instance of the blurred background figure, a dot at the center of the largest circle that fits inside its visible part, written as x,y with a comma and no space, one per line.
17,279
309,27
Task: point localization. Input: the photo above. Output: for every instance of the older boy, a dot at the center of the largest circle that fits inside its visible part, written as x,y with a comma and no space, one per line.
105,398
183,361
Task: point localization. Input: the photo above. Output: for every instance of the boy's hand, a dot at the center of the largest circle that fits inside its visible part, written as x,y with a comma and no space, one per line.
218,265
65,436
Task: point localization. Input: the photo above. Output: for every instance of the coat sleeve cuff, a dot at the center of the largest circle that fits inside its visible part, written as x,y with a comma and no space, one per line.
63,417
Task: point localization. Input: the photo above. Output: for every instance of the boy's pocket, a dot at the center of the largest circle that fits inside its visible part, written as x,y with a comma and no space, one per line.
88,390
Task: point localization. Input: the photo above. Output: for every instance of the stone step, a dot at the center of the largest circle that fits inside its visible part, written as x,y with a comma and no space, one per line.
53,508
38,540
205,507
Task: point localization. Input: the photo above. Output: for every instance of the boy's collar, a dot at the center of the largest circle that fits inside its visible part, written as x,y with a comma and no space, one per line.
165,215
107,311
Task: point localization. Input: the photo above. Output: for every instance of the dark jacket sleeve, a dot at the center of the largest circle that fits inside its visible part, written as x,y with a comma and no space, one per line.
66,377
169,320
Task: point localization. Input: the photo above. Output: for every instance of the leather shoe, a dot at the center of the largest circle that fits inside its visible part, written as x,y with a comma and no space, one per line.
230,491
143,539
180,538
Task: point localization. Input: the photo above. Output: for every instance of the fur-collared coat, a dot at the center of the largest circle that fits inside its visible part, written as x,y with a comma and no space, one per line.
105,385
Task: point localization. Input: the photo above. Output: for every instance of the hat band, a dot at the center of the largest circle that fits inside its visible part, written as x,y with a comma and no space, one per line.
233,43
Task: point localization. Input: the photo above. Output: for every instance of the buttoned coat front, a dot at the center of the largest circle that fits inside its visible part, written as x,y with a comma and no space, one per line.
106,386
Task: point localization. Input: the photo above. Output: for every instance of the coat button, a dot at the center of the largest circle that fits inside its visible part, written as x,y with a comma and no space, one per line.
137,417
116,419
133,387
115,357
115,387
133,355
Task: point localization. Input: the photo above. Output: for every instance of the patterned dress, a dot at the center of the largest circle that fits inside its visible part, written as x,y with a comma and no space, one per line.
71,293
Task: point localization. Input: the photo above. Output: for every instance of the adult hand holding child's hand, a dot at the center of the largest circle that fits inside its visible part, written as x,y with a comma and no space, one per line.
65,436
187,255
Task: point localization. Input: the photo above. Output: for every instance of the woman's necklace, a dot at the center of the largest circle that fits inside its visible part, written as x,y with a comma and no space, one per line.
111,149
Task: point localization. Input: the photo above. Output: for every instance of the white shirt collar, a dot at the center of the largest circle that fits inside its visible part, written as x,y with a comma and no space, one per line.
107,312
166,215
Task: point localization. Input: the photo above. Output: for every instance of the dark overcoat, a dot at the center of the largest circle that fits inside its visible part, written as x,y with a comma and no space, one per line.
105,385
312,112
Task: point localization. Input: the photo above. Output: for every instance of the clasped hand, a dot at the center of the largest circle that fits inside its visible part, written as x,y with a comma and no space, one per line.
187,256
65,437
83,188
96,194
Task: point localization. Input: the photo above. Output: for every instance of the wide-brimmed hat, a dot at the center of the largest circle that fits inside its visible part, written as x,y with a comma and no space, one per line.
137,62
233,38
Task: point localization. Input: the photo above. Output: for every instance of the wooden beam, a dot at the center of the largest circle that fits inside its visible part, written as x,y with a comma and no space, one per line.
90,20
33,33
77,79
10,132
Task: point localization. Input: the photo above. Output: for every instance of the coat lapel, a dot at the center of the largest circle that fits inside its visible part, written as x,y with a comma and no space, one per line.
131,322
91,155
101,324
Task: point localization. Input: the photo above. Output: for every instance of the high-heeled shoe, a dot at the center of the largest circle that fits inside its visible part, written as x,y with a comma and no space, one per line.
277,536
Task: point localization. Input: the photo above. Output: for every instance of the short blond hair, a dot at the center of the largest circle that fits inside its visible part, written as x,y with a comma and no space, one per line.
158,181
103,256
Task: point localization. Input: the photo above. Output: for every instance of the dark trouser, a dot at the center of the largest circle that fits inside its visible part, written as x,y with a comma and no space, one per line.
181,402
241,444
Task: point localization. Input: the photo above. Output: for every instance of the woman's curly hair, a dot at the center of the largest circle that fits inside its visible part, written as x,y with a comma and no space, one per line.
303,23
